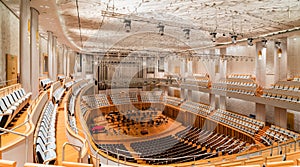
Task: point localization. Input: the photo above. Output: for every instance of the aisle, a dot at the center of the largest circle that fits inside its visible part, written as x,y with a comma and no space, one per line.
71,154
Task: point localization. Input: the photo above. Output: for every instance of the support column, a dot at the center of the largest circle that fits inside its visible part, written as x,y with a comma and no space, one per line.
83,71
223,64
212,100
222,101
24,59
34,52
182,93
261,64
280,61
50,54
55,62
280,117
190,95
260,112
65,54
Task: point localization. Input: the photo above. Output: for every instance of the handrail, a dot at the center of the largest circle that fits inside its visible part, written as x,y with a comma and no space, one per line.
16,127
6,81
73,145
19,134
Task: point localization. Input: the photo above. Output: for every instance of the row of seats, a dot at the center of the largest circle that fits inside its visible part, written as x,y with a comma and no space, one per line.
117,151
96,101
45,83
71,106
45,146
202,83
296,79
240,76
240,124
123,98
61,78
197,108
270,95
235,90
261,124
277,134
239,83
150,96
167,150
173,100
214,141
68,85
11,104
58,94
286,87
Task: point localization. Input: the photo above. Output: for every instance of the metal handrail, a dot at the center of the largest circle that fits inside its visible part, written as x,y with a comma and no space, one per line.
73,145
19,134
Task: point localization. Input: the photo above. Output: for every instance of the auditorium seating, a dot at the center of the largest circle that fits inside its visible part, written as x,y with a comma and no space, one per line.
237,121
45,143
45,83
124,98
199,80
58,94
238,83
61,78
68,85
96,101
212,140
167,150
11,104
117,150
173,100
284,91
278,134
71,105
197,108
150,96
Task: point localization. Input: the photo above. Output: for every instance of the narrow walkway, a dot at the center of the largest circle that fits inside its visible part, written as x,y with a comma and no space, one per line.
71,154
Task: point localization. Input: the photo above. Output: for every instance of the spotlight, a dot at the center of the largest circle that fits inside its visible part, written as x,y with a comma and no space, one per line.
264,43
187,33
277,44
127,25
249,41
213,36
161,29
233,38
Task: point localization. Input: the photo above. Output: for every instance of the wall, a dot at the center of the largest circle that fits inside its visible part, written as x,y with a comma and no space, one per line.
293,57
240,106
238,67
9,35
43,51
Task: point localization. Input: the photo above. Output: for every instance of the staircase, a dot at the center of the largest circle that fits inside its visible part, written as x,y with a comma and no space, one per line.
261,133
135,156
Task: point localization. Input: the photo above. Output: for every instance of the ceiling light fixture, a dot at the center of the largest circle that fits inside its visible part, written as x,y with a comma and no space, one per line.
213,36
161,29
277,44
233,38
250,41
127,25
187,33
264,43
259,55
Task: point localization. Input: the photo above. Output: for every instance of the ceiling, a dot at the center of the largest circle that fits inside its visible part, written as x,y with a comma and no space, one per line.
94,25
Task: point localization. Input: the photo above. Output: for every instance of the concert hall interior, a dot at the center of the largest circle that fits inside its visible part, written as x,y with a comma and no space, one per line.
157,83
